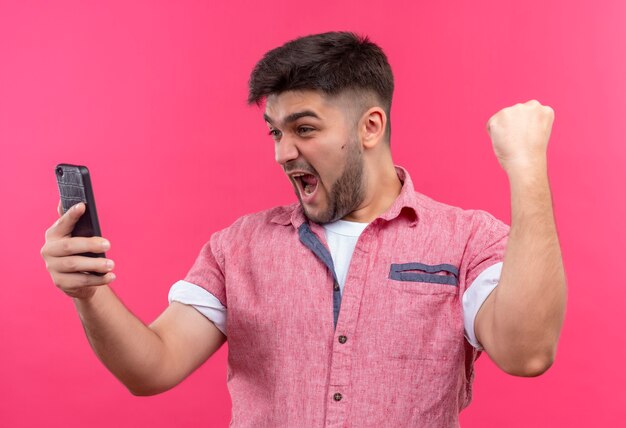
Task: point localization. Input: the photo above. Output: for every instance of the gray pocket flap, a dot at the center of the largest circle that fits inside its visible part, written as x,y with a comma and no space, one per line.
428,273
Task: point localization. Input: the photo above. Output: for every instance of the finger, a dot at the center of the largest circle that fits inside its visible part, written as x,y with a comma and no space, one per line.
60,208
73,264
72,283
64,225
76,245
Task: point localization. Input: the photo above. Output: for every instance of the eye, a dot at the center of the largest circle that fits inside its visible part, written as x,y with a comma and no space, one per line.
303,130
274,133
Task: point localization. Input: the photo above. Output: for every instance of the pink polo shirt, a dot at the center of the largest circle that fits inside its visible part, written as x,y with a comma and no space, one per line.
389,351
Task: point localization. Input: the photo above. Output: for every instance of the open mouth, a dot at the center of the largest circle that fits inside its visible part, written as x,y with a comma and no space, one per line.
306,183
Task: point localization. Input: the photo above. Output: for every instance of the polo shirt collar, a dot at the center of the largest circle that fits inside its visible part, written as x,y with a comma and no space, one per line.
406,202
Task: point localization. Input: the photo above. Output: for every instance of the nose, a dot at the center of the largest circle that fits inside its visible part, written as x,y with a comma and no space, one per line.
285,150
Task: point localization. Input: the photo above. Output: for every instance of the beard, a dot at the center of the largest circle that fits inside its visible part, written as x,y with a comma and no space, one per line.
346,194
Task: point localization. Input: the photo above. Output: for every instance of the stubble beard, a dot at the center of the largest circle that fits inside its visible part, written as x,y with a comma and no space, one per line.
347,192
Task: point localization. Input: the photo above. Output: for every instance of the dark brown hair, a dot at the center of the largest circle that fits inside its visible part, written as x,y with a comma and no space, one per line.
331,63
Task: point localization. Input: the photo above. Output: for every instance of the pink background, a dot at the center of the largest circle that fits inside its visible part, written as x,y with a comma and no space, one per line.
151,96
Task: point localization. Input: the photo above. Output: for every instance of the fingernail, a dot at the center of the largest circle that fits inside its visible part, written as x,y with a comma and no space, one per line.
112,275
109,264
106,245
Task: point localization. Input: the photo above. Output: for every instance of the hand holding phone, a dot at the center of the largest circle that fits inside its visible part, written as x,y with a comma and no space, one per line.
74,187
74,235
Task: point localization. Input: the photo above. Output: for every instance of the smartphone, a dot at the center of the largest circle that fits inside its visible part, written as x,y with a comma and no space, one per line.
74,187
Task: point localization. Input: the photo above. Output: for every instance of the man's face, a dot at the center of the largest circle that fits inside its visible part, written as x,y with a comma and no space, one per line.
317,145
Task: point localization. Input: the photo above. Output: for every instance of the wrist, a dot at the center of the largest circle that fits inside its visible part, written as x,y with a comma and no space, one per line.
86,296
527,169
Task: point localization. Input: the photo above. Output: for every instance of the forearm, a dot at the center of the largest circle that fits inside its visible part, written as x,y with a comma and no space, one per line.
529,306
147,360
128,348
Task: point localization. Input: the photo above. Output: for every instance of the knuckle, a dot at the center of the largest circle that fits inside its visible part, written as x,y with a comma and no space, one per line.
85,280
66,246
70,264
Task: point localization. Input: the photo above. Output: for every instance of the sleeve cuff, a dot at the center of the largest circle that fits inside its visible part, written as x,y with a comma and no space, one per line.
204,302
475,296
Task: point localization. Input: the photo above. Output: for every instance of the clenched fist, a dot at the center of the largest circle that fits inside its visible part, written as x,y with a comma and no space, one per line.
520,134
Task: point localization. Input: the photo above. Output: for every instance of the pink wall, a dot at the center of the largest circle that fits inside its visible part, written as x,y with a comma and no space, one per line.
151,96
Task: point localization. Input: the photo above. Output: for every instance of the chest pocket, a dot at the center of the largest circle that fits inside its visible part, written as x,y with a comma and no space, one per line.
425,301
424,278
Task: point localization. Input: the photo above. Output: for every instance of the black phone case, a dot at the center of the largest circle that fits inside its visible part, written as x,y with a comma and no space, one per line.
74,187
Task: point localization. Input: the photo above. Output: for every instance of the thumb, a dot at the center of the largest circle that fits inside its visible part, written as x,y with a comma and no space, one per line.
65,224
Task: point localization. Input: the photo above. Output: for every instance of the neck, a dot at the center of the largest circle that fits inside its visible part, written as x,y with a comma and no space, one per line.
382,188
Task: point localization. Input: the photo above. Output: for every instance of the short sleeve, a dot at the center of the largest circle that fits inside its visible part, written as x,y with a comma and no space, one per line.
204,302
486,246
475,296
485,255
207,271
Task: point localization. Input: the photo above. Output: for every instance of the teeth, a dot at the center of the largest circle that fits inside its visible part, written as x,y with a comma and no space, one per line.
306,188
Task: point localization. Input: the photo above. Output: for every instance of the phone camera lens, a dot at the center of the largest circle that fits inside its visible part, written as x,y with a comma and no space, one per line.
60,172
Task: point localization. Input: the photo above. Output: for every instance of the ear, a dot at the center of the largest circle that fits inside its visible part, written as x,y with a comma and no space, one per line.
372,127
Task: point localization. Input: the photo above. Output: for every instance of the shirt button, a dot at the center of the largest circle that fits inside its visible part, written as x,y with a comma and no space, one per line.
337,396
342,339
336,287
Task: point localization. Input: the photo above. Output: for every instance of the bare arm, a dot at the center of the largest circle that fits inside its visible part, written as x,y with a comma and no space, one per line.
146,359
520,322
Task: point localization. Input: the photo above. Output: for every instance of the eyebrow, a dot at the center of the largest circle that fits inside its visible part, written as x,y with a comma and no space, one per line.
294,116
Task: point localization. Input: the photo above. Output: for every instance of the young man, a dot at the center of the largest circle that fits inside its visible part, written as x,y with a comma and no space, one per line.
364,304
